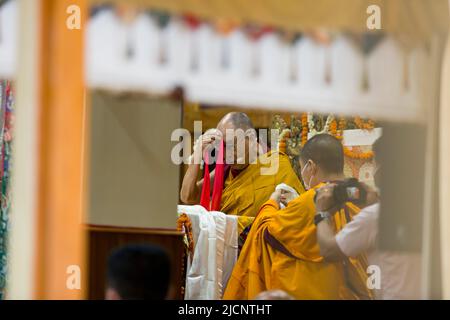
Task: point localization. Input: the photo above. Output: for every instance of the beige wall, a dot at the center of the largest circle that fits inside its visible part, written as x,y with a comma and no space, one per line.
133,181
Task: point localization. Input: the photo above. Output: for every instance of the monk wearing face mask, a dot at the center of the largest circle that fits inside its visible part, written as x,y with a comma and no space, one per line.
282,252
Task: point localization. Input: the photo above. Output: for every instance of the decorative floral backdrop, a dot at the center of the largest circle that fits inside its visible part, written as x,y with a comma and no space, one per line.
359,161
6,121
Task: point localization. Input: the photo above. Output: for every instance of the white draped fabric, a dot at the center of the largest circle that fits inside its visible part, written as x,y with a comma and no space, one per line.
215,252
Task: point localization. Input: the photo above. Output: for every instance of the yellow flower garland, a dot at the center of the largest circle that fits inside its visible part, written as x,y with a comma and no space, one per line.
304,128
340,135
358,155
184,224
369,125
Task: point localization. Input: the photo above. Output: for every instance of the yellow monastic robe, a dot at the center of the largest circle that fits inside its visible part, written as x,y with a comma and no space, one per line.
244,194
304,274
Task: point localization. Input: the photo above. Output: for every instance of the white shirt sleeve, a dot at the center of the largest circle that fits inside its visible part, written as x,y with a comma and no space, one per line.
359,235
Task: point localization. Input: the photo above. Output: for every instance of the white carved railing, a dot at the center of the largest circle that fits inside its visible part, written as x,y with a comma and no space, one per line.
8,39
217,69
194,61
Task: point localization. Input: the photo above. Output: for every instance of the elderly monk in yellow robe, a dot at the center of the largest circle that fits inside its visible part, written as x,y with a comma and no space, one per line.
248,181
281,250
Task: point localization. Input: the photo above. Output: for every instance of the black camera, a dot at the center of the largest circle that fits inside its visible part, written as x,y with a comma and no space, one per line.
349,190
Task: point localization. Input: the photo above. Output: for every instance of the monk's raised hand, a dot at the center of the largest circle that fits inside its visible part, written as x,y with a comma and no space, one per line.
204,142
276,195
209,138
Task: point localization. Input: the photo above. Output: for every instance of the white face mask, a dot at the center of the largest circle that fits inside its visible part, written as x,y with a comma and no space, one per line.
307,186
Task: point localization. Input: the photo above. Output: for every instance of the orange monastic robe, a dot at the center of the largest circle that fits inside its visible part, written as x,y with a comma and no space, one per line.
304,274
244,194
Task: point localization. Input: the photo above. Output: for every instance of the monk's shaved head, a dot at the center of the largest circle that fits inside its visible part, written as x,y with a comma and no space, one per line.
239,136
326,151
235,120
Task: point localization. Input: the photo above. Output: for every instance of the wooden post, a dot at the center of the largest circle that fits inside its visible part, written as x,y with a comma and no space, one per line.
444,172
60,200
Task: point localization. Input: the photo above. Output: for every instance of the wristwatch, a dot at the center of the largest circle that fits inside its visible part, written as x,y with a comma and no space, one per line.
321,216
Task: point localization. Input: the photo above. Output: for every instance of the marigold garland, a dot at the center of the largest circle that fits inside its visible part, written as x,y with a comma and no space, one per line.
358,155
369,125
285,134
304,128
333,128
341,128
184,224
339,133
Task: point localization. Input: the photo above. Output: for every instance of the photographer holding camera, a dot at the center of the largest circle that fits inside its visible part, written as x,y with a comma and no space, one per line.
332,197
399,272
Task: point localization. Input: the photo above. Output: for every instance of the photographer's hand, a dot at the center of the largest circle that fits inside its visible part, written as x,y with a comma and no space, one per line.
372,196
325,202
324,198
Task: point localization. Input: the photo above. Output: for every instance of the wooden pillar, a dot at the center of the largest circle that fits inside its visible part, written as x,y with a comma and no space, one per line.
60,199
444,171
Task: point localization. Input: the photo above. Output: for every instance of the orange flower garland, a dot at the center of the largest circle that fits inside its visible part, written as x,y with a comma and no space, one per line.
333,127
184,224
369,125
336,129
285,134
348,152
342,125
304,128
339,133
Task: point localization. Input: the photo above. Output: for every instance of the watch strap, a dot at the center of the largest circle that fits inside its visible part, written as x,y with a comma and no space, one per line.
321,216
